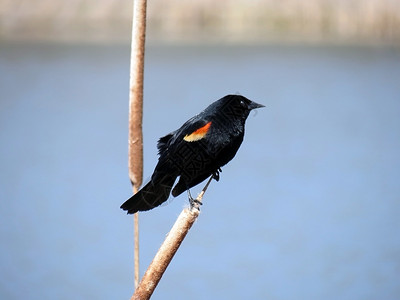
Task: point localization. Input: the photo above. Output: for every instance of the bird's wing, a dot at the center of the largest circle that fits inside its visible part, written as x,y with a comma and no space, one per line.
194,130
199,133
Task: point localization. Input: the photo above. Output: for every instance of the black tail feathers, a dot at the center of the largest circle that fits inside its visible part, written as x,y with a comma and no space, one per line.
150,196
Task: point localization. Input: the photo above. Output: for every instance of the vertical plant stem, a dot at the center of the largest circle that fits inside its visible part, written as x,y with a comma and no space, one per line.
136,245
135,156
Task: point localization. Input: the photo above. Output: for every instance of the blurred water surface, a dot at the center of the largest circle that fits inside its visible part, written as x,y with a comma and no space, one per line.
308,209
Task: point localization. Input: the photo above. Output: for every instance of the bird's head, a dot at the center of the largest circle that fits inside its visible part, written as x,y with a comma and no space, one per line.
237,106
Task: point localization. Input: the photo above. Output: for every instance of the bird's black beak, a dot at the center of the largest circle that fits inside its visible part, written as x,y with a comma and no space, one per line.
254,105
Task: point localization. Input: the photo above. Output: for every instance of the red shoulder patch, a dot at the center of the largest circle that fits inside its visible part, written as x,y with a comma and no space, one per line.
198,134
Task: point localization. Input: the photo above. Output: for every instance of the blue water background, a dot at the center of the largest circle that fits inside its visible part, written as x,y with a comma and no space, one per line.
308,209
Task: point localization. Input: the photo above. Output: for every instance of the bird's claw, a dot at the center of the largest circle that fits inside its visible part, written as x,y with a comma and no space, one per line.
215,175
194,202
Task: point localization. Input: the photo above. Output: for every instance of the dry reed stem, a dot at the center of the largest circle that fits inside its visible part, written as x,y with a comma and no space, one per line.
135,156
168,249
136,248
136,93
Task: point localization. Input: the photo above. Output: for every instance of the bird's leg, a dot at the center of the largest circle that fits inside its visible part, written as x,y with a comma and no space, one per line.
215,175
193,202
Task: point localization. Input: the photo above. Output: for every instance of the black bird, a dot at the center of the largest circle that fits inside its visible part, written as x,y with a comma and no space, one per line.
195,151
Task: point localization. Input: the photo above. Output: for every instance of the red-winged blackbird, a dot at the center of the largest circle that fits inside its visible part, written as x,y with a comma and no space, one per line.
195,151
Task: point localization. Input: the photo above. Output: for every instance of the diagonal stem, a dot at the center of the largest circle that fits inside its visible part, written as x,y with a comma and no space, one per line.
168,249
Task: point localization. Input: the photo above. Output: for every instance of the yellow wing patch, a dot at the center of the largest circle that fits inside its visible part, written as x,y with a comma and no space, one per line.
198,134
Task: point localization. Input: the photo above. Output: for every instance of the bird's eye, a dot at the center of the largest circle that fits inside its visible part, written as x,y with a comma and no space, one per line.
242,103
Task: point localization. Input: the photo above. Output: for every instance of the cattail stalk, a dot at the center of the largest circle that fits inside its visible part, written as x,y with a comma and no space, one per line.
168,249
135,155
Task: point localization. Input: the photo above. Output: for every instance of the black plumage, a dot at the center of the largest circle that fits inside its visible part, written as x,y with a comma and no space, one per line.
194,152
